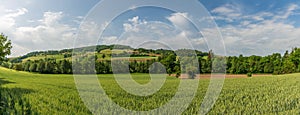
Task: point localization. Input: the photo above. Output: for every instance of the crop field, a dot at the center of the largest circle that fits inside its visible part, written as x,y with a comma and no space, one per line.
27,93
58,57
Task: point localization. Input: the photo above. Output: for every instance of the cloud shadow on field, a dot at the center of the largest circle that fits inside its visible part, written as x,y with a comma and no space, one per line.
13,100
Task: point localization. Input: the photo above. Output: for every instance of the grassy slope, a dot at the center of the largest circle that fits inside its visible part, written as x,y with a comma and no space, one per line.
57,94
58,57
105,52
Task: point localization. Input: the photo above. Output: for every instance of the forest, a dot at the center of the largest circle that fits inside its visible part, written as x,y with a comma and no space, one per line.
271,64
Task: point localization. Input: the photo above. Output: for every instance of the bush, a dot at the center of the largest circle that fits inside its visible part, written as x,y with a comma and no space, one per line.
177,74
276,73
249,74
191,74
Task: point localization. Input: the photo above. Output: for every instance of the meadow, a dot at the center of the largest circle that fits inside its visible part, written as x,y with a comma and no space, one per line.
29,93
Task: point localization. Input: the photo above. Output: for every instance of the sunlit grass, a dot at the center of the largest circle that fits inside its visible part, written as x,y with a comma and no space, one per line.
57,94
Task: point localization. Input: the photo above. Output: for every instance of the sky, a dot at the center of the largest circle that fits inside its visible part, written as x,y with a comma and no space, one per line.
256,27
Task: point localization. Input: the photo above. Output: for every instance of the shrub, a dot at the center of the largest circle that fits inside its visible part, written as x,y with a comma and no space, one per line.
249,74
191,74
177,74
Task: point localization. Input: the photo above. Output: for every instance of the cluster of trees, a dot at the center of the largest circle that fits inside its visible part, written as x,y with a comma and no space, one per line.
45,66
273,64
180,61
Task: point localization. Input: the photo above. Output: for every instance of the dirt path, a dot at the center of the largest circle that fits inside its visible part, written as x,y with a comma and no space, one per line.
185,76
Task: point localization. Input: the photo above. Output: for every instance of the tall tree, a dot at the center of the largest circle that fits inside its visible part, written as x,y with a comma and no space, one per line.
5,46
33,67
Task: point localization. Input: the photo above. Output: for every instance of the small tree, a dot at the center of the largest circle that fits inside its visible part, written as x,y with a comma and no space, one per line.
33,67
18,67
191,74
191,71
177,74
249,74
5,46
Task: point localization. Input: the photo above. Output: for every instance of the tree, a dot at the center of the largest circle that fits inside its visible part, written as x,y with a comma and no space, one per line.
5,46
295,58
27,65
18,67
33,67
65,67
49,67
192,71
40,66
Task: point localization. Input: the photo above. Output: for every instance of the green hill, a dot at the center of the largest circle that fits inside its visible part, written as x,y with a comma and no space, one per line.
99,51
59,62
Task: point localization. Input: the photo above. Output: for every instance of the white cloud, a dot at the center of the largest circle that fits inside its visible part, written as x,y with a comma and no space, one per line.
222,10
51,18
89,34
8,25
289,11
231,13
7,20
78,19
109,40
182,21
260,33
245,23
15,13
49,34
260,39
133,23
155,34
259,16
179,19
227,12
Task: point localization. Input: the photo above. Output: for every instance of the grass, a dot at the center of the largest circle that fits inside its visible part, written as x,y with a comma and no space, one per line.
106,52
58,57
114,51
57,94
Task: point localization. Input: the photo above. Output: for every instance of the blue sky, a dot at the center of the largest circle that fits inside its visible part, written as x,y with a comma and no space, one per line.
258,27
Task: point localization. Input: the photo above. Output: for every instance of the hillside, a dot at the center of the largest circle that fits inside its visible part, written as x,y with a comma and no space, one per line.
139,61
101,51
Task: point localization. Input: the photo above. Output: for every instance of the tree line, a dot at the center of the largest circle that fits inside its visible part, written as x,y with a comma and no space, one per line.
271,64
275,63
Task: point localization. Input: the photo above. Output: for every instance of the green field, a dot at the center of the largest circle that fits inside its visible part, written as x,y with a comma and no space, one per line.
24,92
58,57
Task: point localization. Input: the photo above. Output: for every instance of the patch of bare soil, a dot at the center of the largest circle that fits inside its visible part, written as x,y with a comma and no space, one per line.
201,76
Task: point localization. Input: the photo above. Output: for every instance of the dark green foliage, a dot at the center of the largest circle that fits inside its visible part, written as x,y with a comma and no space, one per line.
65,67
177,74
12,101
33,67
18,67
274,64
249,74
174,62
5,46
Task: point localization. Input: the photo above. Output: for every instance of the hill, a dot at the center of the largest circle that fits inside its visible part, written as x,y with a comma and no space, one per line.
99,50
60,62
139,61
